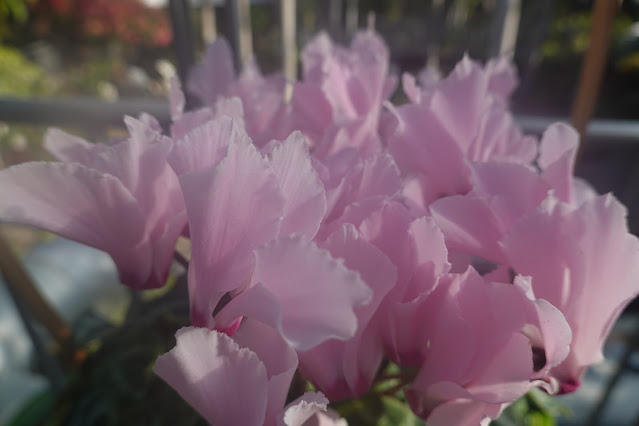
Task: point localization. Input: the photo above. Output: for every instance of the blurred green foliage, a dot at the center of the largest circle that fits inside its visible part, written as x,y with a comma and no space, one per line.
12,12
115,385
20,77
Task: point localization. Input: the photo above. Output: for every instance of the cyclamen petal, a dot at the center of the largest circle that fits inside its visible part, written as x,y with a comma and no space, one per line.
216,377
83,205
305,203
139,162
303,408
502,193
149,198
205,146
69,148
221,204
494,364
582,248
212,78
343,369
302,291
277,356
557,155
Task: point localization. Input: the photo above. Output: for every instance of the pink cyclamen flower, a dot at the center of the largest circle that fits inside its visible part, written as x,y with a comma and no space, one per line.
461,118
343,369
583,261
479,342
242,380
122,198
262,97
503,193
251,221
346,88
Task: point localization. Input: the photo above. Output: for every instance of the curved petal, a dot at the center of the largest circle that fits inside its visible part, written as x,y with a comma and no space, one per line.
302,291
215,74
216,377
80,204
232,209
303,408
205,146
305,203
278,357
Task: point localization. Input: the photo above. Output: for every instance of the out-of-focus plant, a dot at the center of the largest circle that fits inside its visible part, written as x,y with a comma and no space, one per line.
13,13
21,77
127,20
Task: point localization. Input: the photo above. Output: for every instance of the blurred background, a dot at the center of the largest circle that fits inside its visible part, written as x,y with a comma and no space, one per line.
83,64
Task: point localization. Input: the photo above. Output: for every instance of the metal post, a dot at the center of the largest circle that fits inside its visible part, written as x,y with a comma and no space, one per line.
182,37
352,17
289,44
335,20
209,26
505,27
240,35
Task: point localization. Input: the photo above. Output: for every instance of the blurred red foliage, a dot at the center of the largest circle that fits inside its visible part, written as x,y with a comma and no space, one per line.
128,20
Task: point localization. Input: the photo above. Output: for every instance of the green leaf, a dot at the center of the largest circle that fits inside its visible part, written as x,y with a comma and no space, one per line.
36,411
397,413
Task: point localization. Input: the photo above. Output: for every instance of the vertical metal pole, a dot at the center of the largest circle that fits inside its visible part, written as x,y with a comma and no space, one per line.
289,44
209,26
182,37
240,36
335,26
505,27
352,17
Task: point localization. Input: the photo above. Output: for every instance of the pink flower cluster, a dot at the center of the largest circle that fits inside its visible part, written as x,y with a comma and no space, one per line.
334,231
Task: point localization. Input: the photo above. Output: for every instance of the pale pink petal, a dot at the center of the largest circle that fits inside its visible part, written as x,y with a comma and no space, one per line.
214,75
231,107
592,272
150,121
475,223
139,163
464,412
430,256
232,209
263,104
581,191
516,185
460,100
302,291
328,418
422,146
557,154
190,120
278,357
216,377
80,204
69,148
346,369
303,408
481,359
305,203
205,146
311,111
502,76
374,178
409,85
469,225
538,237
